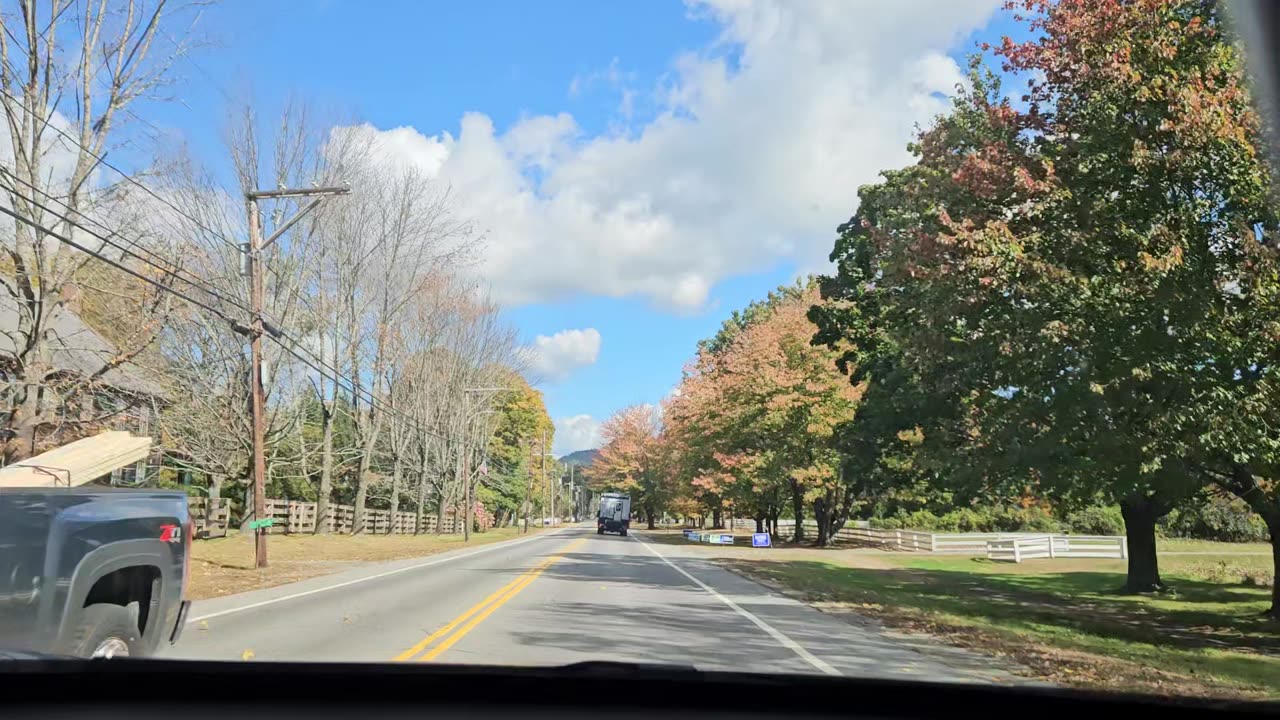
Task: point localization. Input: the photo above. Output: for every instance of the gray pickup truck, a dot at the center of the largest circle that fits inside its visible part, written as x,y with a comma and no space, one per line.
92,572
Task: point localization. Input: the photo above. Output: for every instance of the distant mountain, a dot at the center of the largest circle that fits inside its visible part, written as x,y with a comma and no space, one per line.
581,458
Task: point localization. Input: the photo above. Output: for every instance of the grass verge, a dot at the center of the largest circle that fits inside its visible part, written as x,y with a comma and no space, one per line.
225,566
1061,619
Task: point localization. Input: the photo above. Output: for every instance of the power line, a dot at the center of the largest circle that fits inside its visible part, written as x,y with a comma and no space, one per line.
328,372
119,266
102,160
168,266
334,375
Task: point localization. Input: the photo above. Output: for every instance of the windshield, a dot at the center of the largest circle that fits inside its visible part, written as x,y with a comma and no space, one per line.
930,340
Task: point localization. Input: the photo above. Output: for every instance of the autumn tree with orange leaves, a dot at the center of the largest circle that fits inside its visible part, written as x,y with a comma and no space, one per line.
1072,291
751,426
633,460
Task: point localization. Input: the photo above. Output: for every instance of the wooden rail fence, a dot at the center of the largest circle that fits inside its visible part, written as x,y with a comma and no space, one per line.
212,519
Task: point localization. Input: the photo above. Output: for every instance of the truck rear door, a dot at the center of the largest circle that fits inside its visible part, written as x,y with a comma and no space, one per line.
24,577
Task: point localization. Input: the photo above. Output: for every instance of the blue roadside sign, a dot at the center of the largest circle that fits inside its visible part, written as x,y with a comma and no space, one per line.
761,540
726,539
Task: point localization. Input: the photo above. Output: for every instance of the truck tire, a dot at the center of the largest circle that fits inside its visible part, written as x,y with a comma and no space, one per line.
623,533
106,631
599,531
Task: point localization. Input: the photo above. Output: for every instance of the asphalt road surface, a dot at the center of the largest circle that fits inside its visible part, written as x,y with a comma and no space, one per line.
560,597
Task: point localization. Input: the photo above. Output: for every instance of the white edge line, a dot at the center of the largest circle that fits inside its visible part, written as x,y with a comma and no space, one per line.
773,632
313,591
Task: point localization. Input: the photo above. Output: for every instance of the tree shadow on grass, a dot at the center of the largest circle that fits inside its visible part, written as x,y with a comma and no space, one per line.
1076,601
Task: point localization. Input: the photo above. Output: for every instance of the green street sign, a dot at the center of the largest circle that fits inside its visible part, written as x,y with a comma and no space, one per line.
265,522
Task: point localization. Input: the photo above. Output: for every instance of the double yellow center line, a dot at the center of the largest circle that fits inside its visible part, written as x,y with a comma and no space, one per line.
458,627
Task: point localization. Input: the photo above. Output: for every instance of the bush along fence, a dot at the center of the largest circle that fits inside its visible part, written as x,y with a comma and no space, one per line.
213,519
1014,546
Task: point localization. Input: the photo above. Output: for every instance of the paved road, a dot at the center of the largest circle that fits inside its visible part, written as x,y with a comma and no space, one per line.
556,598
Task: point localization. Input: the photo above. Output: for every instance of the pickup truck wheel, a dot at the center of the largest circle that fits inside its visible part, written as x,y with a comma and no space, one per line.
624,533
106,631
599,531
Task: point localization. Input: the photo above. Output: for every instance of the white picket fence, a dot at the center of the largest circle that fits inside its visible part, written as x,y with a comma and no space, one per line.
1013,547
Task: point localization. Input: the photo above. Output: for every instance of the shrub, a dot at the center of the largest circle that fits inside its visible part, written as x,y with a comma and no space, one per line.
917,520
1097,520
966,520
1216,519
975,519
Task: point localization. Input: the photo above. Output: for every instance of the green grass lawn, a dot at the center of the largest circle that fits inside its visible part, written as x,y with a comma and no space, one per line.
1212,546
1063,618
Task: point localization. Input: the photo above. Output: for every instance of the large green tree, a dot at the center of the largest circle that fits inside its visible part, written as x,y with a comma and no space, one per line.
521,424
1066,287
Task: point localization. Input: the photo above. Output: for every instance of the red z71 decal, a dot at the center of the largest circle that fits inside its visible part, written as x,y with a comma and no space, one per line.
169,533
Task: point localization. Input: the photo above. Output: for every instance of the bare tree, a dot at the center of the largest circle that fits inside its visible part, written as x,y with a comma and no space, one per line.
68,72
207,364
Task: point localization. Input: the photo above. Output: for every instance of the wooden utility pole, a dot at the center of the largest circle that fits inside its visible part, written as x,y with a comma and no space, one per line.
466,480
466,470
258,326
546,486
257,395
528,491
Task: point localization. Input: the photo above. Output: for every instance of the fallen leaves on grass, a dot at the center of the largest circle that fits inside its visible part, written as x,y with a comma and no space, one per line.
1035,660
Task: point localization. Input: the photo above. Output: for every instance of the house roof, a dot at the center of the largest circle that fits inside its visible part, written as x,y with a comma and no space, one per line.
77,349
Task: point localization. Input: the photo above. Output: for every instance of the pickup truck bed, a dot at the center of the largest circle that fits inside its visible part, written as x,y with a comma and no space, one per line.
92,571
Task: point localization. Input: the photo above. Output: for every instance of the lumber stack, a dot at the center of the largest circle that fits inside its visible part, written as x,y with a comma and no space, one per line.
77,463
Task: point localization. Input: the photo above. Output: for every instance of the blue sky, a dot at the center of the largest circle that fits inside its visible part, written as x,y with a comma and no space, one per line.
639,169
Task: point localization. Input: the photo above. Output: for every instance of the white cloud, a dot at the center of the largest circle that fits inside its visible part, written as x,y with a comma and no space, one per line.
576,432
754,156
554,357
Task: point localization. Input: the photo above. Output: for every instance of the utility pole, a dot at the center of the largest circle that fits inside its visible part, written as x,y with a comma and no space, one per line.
528,491
257,327
573,493
466,468
466,480
546,486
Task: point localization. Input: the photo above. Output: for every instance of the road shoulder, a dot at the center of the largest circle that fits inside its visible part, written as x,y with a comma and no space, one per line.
207,609
852,644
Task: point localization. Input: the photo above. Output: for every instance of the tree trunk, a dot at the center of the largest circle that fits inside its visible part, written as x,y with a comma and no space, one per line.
422,501
362,492
396,470
797,507
440,503
759,523
326,469
648,511
717,519
1273,525
25,421
1140,515
1263,502
822,516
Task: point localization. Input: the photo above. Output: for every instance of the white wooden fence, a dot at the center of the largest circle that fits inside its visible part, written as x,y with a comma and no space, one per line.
1030,547
1014,547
